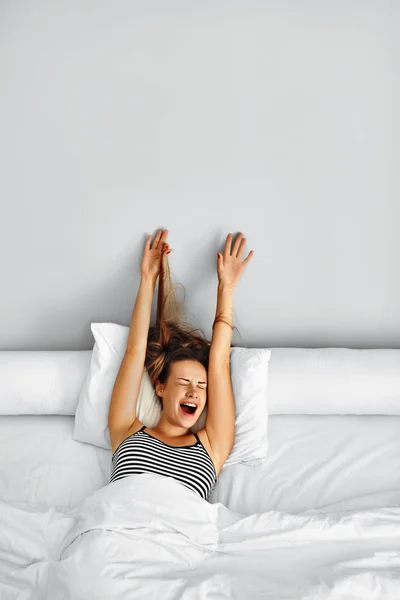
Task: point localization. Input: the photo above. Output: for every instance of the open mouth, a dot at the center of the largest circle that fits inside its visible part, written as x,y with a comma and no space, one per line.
189,408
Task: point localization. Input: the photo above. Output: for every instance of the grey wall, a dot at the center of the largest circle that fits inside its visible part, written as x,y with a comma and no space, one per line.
279,119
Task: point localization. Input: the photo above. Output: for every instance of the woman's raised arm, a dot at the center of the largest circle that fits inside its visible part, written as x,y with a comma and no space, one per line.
122,411
220,420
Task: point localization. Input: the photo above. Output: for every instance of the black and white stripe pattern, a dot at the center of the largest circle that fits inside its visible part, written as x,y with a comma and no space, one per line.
143,453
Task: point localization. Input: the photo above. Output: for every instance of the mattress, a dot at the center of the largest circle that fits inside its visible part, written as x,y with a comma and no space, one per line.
314,462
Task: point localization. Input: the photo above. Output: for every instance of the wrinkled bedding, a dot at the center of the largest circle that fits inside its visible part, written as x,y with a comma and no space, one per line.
147,536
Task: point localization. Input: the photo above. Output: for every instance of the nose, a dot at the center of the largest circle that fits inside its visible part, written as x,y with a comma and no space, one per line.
192,394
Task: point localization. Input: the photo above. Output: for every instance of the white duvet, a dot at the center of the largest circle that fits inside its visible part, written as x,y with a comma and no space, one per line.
147,536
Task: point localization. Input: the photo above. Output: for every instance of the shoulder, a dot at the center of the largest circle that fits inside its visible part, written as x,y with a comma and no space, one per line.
136,425
117,440
202,433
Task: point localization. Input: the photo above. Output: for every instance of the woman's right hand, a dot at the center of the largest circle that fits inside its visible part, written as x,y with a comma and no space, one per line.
152,256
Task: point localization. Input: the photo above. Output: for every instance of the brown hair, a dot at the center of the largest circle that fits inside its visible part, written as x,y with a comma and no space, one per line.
172,338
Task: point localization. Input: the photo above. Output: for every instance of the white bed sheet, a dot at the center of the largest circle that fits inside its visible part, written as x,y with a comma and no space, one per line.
314,462
147,536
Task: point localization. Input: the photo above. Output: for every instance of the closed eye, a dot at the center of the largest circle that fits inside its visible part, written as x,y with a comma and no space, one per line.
200,386
201,383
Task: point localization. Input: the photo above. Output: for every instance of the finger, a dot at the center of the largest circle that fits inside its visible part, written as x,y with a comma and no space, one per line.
241,247
236,244
249,256
227,249
157,239
163,242
147,243
154,242
164,237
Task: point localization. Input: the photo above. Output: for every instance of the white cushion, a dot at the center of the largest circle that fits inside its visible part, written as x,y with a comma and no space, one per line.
249,376
41,382
334,381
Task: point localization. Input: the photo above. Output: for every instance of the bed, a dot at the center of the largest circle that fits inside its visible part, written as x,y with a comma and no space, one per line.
318,519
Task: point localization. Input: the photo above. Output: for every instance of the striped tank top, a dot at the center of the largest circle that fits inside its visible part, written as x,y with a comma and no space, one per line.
143,453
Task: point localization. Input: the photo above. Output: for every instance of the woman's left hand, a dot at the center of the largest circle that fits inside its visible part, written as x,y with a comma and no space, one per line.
229,264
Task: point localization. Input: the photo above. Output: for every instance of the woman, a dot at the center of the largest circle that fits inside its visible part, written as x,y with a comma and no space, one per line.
187,372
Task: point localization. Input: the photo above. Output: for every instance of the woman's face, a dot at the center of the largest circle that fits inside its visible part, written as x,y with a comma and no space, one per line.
186,384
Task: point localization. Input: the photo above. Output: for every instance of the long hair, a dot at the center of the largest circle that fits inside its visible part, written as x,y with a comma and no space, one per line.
172,338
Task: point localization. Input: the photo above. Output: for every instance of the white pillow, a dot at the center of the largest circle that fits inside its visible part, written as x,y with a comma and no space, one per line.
334,381
249,376
41,382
